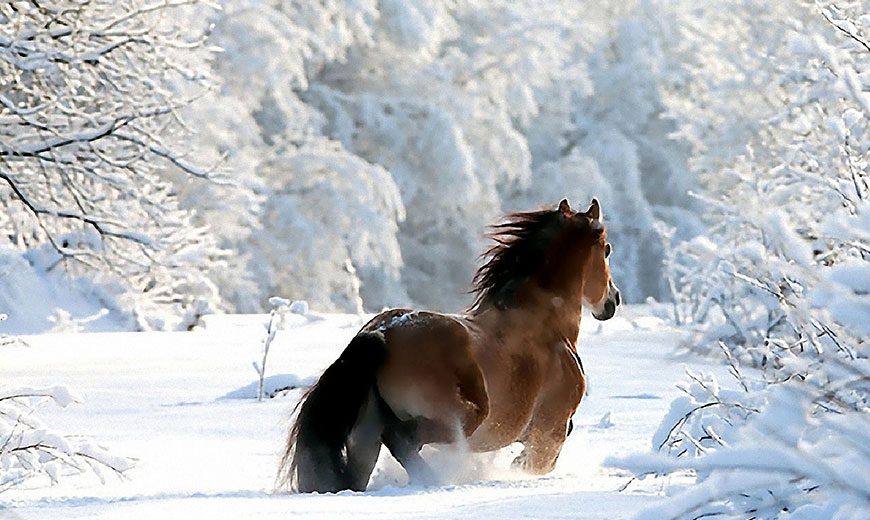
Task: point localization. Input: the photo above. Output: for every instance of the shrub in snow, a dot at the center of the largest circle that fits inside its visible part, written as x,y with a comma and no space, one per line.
332,222
779,288
88,105
280,306
28,449
770,450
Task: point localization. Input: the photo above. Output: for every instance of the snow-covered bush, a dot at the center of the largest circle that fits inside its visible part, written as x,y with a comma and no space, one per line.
29,450
280,306
801,454
779,287
89,93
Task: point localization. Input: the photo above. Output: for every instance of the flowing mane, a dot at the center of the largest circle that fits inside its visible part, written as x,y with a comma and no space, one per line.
519,252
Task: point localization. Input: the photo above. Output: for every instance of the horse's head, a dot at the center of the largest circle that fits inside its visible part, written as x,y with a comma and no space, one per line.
588,237
562,251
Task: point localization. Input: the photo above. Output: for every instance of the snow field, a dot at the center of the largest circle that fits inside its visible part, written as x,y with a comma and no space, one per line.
173,402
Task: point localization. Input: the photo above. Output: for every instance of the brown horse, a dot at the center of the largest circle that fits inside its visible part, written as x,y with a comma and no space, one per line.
505,371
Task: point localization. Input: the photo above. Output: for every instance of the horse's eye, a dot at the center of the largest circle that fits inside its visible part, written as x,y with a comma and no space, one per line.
607,250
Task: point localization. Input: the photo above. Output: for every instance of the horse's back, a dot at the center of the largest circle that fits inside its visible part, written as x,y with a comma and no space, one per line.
430,371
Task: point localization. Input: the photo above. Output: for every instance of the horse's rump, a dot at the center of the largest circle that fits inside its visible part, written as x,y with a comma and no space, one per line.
431,373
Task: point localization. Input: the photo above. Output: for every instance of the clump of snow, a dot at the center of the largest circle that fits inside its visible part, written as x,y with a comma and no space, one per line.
63,321
272,386
847,294
852,312
277,301
62,396
604,422
299,307
782,236
853,274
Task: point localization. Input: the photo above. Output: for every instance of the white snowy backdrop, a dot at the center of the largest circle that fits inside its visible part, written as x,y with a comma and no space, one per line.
359,148
164,160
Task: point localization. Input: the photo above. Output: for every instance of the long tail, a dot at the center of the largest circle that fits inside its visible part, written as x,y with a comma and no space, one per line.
315,457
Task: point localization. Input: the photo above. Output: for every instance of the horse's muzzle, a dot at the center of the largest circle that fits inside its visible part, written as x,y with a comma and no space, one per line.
611,301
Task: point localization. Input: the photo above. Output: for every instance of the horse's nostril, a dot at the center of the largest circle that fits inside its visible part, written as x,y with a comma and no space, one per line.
618,298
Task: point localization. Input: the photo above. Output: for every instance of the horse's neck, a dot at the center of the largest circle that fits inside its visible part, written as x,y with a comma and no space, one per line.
543,316
560,324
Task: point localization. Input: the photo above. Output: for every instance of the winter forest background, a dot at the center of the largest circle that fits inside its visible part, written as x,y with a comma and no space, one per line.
165,160
161,160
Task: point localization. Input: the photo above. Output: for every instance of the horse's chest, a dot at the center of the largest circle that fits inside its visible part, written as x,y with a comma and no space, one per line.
523,386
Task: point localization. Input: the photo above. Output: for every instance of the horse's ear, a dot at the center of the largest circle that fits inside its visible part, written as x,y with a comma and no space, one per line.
594,211
565,208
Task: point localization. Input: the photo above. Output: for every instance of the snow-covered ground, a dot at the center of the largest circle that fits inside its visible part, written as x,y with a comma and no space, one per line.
182,405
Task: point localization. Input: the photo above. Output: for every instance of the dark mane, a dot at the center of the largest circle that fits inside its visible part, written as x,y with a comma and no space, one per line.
520,248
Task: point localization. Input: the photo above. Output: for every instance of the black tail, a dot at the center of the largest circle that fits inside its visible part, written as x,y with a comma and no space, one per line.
317,456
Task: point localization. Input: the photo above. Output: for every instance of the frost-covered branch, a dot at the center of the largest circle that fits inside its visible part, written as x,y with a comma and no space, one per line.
847,27
28,449
276,320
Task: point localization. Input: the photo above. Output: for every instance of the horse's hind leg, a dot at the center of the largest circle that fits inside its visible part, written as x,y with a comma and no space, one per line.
402,438
364,445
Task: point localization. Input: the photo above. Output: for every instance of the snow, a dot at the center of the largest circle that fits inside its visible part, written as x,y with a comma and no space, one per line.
852,273
853,311
847,296
299,307
780,232
61,395
357,163
182,406
30,296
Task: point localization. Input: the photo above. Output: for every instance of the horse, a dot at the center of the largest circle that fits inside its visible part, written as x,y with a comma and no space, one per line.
505,371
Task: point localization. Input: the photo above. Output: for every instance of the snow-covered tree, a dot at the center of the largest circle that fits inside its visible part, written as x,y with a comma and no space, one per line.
316,221
606,131
89,99
779,288
465,109
445,115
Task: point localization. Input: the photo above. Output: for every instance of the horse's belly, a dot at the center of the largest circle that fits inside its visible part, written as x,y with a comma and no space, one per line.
412,390
411,398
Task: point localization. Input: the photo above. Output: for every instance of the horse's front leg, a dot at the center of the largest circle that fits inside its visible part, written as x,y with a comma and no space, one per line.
542,444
